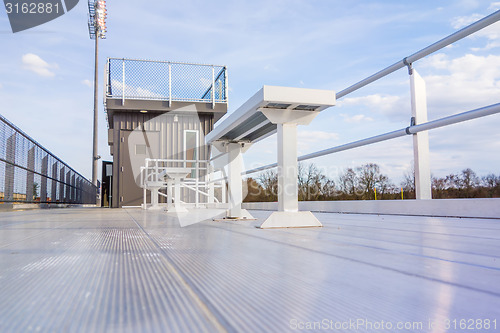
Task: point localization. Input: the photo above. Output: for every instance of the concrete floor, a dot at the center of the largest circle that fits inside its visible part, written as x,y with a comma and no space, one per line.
127,270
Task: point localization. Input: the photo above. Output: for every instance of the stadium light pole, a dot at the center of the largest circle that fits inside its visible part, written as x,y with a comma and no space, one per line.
97,30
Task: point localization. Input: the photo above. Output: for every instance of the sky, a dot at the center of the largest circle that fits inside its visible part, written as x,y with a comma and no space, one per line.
46,73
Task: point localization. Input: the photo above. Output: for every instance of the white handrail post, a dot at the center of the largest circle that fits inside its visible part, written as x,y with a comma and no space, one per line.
123,81
226,89
143,181
156,171
169,194
423,190
223,191
213,87
197,185
169,85
211,185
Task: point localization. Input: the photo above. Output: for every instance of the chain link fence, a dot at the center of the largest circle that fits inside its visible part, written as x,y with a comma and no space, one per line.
166,81
29,173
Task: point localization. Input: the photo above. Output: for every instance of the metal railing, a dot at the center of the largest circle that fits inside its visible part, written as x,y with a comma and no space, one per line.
198,181
413,128
29,173
165,81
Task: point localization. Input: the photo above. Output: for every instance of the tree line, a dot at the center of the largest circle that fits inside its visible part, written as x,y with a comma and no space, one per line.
367,182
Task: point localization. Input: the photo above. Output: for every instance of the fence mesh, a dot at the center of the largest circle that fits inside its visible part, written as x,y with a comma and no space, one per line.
30,173
160,80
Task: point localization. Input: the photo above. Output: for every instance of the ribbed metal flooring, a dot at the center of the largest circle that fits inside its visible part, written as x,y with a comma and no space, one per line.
126,270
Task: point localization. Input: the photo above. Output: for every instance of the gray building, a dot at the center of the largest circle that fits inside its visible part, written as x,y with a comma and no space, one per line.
159,110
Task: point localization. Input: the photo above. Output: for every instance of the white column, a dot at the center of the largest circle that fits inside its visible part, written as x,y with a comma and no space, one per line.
288,214
223,192
209,178
235,181
177,197
420,140
154,198
169,194
235,167
177,194
287,168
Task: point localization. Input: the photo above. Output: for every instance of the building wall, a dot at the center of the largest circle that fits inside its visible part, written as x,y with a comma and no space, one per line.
171,136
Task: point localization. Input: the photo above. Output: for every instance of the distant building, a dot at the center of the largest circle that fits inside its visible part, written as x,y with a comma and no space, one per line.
160,110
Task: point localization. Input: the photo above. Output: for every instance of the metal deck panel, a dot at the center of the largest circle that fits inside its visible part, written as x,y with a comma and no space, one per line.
133,270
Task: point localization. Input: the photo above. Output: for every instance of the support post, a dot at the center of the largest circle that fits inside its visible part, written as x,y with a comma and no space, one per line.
61,185
288,214
211,191
95,153
53,192
235,168
10,169
30,176
287,168
154,197
223,192
68,187
423,190
169,194
43,180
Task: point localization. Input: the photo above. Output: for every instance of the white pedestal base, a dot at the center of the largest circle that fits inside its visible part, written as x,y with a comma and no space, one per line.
243,214
177,210
291,220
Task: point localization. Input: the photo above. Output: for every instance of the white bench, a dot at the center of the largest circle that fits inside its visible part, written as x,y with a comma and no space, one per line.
271,110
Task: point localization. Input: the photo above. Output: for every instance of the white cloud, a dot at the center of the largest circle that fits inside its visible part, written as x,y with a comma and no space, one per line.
463,21
392,106
87,83
468,82
310,139
313,136
382,102
494,6
34,63
492,32
358,118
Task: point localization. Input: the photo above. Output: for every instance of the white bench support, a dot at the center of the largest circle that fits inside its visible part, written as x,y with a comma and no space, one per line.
176,174
154,197
235,181
288,215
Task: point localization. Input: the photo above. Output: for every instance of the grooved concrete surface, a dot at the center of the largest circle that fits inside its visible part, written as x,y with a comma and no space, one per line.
127,270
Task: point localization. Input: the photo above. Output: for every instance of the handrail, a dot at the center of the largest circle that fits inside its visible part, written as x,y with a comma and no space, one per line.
167,62
462,33
450,120
223,70
29,138
197,191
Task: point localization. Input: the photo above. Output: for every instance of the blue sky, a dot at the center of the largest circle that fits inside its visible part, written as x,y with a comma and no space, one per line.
46,72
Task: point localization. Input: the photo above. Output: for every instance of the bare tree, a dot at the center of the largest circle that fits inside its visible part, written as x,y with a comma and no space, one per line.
386,187
348,182
269,182
254,191
313,184
438,187
369,176
408,183
492,184
468,182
